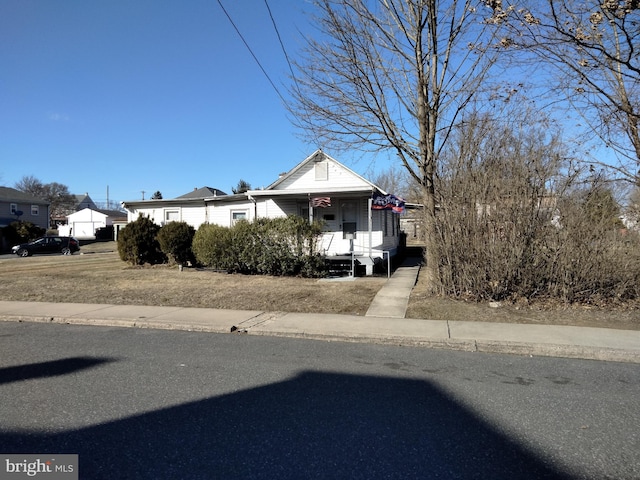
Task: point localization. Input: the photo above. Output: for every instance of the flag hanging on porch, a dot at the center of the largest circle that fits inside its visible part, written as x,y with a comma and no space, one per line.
321,202
387,202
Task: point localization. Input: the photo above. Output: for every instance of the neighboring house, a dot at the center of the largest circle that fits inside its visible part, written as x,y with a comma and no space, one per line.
81,202
359,218
84,201
85,223
17,205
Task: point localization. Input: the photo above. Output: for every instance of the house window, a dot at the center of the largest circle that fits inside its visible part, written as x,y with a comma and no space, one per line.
35,210
237,215
13,208
171,216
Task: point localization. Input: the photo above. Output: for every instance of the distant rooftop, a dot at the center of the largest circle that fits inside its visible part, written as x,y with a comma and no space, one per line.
203,192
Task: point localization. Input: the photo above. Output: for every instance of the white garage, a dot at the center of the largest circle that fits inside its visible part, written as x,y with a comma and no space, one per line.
83,224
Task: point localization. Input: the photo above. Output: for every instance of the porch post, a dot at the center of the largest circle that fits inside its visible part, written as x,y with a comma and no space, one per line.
369,204
369,268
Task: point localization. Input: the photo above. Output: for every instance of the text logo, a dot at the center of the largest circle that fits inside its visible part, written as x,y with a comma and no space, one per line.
49,467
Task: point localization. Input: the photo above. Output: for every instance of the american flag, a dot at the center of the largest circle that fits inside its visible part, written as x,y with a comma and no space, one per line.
321,202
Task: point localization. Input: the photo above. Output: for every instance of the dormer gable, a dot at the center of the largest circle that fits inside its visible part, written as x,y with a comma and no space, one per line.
320,172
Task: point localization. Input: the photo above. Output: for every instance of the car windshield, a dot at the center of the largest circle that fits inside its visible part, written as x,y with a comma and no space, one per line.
39,241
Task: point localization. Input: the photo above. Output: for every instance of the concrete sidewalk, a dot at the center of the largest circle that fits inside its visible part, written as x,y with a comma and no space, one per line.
392,299
544,340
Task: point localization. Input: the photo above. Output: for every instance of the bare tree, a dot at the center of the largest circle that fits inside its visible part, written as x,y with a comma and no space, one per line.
60,200
592,49
394,76
31,185
394,180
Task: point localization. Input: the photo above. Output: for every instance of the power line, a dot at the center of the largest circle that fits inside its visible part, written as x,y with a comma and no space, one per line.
286,56
275,27
251,51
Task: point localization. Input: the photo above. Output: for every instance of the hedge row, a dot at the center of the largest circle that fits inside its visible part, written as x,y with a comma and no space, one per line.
279,246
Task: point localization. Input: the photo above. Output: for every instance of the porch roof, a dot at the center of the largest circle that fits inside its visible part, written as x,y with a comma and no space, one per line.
313,192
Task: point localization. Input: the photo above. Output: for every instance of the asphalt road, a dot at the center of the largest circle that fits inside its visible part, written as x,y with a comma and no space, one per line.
151,404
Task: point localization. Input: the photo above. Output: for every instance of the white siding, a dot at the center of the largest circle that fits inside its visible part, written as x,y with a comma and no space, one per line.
337,177
221,213
193,215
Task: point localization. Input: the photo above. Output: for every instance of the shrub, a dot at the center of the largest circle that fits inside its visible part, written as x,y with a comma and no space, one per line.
22,232
279,246
175,239
212,246
138,244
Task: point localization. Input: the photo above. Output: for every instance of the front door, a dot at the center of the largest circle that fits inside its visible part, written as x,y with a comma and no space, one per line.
349,220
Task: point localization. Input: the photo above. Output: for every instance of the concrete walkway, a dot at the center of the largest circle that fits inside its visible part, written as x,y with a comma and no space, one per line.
392,299
384,323
543,340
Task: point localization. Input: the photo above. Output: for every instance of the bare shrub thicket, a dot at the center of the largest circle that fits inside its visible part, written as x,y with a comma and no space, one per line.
517,221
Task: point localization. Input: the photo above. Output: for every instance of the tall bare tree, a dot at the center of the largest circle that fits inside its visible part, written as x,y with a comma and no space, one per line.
57,194
592,47
394,76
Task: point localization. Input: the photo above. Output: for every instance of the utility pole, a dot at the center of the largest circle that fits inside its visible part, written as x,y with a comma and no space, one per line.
142,194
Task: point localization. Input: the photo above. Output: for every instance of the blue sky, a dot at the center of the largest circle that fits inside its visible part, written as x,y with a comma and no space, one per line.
146,95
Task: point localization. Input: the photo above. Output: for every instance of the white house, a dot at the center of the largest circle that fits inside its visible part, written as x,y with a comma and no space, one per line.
84,223
360,219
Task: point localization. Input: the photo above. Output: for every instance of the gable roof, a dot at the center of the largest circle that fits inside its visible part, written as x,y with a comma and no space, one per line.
12,195
84,201
300,179
107,213
203,192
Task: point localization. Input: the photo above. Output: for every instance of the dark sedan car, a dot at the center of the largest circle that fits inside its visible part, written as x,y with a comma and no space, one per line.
63,245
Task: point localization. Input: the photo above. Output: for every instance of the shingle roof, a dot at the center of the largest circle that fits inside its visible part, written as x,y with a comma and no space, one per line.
12,195
203,192
113,213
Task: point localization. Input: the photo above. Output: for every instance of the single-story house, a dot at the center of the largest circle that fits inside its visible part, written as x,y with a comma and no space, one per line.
85,223
360,220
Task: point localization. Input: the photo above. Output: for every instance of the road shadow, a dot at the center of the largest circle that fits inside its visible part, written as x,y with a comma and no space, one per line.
315,425
53,368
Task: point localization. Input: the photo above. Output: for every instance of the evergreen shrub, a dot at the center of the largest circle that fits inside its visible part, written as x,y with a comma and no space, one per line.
138,243
175,239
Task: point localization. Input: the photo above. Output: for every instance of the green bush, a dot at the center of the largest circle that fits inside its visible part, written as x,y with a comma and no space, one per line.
175,239
138,244
280,246
22,232
212,246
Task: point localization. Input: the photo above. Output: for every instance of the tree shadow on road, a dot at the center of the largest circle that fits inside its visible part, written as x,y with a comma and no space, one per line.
315,425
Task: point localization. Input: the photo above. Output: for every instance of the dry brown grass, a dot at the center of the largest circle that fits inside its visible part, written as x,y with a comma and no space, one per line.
99,276
421,305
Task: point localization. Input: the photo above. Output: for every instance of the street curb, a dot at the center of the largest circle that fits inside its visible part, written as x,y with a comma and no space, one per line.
482,346
127,323
468,345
